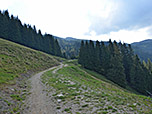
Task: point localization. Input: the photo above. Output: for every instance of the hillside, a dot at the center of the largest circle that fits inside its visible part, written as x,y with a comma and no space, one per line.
68,88
118,63
75,90
71,47
16,59
143,49
12,29
17,63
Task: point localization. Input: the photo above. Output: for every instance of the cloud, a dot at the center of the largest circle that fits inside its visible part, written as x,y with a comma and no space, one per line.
125,20
4,4
127,36
123,14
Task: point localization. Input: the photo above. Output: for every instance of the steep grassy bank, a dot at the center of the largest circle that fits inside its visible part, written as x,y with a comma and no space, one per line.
16,60
77,91
17,64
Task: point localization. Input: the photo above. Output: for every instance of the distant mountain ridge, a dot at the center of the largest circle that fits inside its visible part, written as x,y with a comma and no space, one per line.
71,47
143,49
74,39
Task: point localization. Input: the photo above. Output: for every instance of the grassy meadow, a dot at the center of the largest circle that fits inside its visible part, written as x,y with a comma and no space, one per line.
16,60
81,92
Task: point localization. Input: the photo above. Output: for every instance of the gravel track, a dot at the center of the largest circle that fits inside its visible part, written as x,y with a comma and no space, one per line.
38,102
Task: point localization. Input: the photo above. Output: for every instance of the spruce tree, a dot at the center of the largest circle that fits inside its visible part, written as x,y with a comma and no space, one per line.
58,49
97,55
137,80
81,54
91,56
86,55
12,29
118,63
116,69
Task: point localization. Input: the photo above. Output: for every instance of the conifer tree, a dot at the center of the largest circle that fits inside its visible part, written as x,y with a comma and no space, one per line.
91,55
81,53
86,54
136,75
116,69
97,55
57,49
12,29
118,63
104,58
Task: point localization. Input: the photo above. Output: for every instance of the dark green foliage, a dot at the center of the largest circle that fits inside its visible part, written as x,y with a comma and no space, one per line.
71,46
82,54
115,72
148,66
118,63
12,29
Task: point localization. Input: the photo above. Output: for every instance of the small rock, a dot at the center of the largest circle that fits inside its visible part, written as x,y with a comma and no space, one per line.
12,89
59,95
59,100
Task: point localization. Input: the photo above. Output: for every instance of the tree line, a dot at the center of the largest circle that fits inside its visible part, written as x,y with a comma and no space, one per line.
12,29
118,63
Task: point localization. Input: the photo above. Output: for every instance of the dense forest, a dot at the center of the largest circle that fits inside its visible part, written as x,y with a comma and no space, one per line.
118,63
12,29
70,47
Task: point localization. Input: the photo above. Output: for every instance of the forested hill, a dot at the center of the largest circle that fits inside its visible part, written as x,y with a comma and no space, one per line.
118,63
69,47
12,29
143,49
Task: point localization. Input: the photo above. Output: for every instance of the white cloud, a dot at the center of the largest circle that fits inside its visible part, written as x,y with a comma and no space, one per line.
57,17
4,4
74,18
130,35
127,36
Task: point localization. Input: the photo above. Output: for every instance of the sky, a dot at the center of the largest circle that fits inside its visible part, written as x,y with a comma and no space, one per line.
121,20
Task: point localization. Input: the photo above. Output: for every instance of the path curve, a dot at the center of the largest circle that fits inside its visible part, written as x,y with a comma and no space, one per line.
37,102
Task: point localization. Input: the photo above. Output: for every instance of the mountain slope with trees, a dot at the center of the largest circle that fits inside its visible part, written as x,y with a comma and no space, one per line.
71,48
77,88
118,63
143,49
12,29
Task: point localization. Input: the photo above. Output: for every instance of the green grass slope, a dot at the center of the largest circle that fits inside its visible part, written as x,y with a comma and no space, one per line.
16,60
77,91
17,64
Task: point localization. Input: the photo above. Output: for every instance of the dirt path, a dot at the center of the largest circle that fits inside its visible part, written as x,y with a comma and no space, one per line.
54,71
38,102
